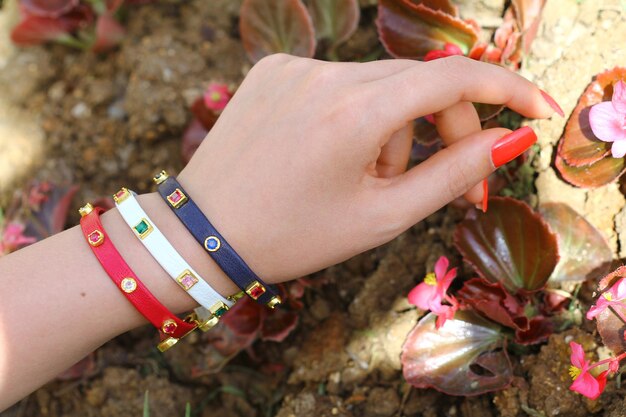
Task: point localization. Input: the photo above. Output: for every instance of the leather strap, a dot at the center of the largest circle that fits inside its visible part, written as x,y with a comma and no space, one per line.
170,327
213,305
213,242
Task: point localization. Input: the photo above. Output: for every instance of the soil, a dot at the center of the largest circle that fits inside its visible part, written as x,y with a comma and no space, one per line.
116,119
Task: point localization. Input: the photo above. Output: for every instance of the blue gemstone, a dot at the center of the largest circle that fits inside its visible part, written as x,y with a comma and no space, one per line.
212,243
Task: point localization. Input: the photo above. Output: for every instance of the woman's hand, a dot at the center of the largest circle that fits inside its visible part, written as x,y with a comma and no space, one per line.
306,166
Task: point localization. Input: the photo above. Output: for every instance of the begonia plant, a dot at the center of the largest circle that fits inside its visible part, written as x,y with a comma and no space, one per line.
519,256
591,152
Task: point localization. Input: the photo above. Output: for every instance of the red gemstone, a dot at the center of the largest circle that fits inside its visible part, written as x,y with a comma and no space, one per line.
120,194
94,237
176,196
257,291
169,327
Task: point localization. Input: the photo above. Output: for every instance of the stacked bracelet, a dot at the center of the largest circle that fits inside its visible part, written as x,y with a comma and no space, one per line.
213,305
213,242
171,328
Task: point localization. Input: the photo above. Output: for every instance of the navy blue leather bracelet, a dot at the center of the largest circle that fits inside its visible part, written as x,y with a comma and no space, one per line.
213,242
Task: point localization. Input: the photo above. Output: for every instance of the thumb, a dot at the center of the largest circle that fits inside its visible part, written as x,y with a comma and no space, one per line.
451,172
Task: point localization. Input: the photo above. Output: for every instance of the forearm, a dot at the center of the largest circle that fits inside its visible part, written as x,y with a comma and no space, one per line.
57,304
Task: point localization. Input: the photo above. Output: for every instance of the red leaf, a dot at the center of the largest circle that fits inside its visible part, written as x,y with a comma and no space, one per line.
518,30
445,6
510,244
492,300
245,317
409,30
47,8
582,247
579,146
335,20
51,215
539,329
597,174
278,324
463,357
205,116
34,30
109,33
192,138
271,26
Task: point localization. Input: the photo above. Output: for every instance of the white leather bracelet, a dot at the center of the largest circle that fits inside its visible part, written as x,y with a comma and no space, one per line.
213,305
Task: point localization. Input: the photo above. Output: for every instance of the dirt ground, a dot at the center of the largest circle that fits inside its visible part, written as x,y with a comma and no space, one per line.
112,120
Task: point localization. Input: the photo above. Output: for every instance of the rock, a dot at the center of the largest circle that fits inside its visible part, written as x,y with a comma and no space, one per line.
382,402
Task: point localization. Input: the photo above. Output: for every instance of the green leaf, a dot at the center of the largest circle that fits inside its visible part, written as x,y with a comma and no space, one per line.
582,248
146,405
335,20
409,30
597,174
510,244
464,357
271,26
188,410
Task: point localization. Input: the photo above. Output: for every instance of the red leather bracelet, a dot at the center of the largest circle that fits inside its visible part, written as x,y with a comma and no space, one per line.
170,327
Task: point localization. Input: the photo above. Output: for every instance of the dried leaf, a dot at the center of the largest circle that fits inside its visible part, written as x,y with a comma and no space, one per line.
409,30
271,26
582,247
510,244
464,357
579,146
335,20
595,175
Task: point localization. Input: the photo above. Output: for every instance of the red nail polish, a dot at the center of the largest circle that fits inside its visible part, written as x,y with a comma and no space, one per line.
552,102
509,147
485,195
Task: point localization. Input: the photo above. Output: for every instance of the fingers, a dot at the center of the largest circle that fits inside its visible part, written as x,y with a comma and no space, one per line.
394,155
448,174
435,85
453,124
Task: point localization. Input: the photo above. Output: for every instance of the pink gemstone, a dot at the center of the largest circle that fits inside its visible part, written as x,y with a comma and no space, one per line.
176,196
94,237
120,194
188,281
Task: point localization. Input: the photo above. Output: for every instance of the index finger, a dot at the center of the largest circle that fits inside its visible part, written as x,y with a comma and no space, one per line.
429,87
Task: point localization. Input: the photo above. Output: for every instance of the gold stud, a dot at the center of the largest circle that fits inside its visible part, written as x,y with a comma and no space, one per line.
208,324
160,177
167,343
236,297
169,326
218,309
85,210
121,195
274,301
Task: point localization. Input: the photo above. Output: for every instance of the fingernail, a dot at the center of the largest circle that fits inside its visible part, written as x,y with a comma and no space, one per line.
485,195
552,102
509,147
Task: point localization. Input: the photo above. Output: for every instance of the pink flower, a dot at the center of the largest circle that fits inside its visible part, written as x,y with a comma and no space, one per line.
614,296
430,294
449,49
217,96
13,238
585,383
608,120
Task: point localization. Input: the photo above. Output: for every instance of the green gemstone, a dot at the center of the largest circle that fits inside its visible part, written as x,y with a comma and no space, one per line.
220,312
142,227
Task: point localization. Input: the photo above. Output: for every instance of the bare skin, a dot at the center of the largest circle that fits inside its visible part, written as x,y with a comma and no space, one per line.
306,167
